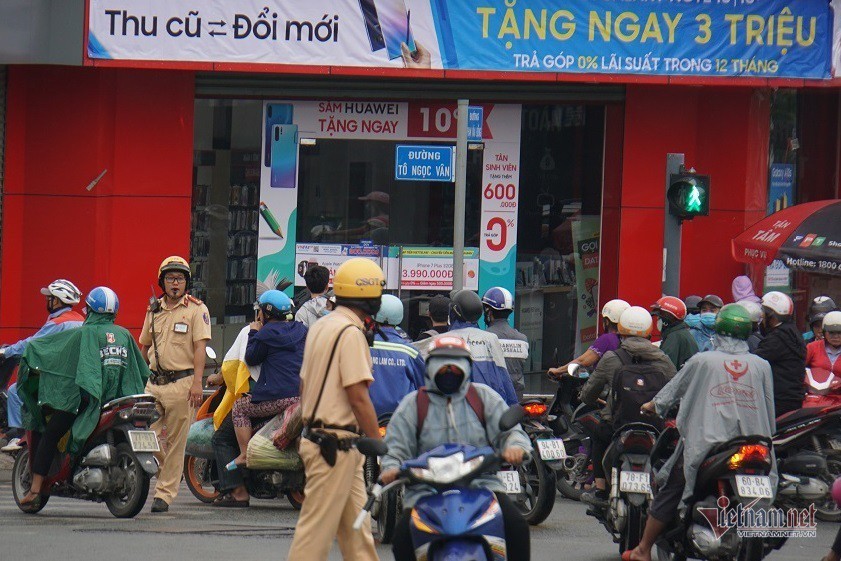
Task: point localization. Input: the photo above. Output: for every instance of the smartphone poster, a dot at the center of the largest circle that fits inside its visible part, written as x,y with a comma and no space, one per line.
395,21
276,114
284,150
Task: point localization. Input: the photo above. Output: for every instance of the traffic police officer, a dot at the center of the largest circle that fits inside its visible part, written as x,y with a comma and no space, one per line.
173,341
336,408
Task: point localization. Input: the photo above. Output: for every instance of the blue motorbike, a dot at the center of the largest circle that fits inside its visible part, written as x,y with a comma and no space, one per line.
458,522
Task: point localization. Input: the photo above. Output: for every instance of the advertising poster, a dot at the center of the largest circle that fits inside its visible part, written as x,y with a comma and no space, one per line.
431,268
332,256
767,38
585,239
780,187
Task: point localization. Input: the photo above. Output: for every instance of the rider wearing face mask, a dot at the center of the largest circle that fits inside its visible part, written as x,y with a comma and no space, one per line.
784,348
452,403
704,331
678,342
825,352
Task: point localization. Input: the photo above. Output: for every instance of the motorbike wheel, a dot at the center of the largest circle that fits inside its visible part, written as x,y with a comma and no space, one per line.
828,511
22,481
129,501
571,483
200,476
296,499
632,534
752,549
538,483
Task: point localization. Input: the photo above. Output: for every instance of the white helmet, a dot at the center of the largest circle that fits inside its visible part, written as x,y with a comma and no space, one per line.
754,310
778,303
613,310
64,290
635,321
832,322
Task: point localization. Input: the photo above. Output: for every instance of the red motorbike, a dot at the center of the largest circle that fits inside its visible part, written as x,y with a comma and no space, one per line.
114,466
823,388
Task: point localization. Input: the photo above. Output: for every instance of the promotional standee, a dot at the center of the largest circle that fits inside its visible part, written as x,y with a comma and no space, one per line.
407,267
762,38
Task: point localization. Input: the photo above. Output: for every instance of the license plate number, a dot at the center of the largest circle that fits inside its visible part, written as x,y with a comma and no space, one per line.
754,486
552,449
144,441
635,482
511,480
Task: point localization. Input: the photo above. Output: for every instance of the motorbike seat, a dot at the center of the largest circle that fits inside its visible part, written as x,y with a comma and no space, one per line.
797,416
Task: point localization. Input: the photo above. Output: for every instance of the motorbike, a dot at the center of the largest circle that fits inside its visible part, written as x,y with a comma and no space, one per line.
734,473
823,388
628,467
457,522
385,514
114,466
575,472
808,453
8,367
534,493
200,470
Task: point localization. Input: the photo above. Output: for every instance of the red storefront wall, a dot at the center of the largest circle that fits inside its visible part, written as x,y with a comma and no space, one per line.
66,125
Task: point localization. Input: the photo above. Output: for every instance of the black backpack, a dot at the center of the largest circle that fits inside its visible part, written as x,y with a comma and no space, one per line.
634,384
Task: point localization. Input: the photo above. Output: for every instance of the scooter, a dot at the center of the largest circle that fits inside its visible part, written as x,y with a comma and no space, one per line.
627,463
823,388
8,368
385,515
575,471
734,473
457,522
200,471
808,452
535,494
115,465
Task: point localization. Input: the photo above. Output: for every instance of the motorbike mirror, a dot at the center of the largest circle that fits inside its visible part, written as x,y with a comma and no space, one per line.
512,416
371,447
211,354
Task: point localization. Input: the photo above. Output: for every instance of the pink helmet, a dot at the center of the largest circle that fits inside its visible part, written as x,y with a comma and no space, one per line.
836,491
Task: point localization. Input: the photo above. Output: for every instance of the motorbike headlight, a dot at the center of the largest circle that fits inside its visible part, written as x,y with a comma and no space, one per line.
446,470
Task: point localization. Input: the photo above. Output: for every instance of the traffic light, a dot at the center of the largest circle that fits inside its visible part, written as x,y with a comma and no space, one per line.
689,195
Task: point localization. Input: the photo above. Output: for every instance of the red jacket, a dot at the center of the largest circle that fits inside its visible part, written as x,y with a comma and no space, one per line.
816,357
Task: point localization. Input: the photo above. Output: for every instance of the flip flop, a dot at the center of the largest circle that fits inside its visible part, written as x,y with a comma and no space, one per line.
34,503
229,501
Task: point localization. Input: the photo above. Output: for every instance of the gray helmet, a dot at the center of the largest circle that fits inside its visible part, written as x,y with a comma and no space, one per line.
467,306
819,307
712,299
692,303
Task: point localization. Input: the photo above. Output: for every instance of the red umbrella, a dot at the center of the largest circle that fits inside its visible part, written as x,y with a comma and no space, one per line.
806,237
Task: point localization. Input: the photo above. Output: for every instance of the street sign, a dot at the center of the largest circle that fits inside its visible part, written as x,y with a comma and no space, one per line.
425,163
475,120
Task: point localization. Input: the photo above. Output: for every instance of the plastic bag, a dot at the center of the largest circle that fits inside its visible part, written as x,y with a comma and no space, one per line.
262,453
292,423
199,439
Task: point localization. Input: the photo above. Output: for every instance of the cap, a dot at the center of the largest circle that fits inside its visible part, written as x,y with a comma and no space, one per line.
712,299
439,307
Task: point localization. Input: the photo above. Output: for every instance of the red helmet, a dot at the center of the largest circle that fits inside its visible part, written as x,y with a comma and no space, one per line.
671,305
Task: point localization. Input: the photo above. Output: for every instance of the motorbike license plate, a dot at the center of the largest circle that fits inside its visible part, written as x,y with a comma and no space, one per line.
144,441
552,449
635,482
754,486
511,480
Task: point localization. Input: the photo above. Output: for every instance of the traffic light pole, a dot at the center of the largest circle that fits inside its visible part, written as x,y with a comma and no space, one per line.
671,233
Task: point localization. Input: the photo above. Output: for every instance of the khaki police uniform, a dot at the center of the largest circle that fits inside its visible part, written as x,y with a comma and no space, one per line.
176,329
334,495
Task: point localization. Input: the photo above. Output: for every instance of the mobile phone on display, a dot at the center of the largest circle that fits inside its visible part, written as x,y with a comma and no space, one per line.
372,25
284,156
276,114
394,21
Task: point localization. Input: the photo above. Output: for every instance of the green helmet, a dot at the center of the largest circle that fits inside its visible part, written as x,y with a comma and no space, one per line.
733,320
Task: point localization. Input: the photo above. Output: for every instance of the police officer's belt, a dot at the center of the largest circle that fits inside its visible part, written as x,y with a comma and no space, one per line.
164,377
328,443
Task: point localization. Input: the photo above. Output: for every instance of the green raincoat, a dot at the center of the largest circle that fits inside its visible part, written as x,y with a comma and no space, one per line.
99,360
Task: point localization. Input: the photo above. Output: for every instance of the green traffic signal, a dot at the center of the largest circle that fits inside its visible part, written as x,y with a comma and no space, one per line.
689,195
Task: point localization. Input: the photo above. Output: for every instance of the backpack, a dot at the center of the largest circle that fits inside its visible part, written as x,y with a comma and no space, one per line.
634,384
472,397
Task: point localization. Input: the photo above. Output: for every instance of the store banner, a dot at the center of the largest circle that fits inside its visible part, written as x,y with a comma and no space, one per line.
762,38
585,239
431,268
332,256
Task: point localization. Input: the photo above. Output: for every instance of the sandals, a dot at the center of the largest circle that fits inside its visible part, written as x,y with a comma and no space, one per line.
34,503
228,501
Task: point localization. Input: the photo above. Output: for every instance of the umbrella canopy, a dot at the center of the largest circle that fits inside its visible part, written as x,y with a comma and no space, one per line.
805,237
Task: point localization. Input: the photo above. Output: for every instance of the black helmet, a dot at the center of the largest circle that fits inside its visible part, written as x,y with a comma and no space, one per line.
467,306
819,307
692,303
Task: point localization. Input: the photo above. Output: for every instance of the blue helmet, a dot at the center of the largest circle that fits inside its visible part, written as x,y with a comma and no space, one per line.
391,310
498,298
103,300
275,303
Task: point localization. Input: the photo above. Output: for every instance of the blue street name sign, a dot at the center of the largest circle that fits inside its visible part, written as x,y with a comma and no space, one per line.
475,120
425,163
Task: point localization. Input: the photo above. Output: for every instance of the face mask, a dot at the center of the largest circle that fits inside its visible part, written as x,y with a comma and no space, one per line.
693,320
449,380
660,325
708,319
